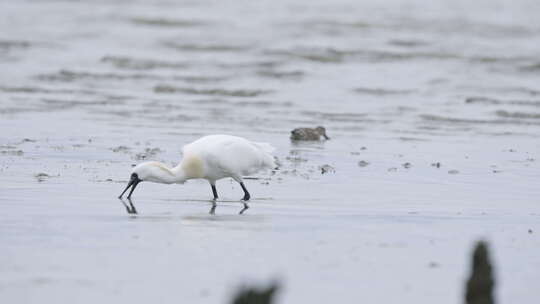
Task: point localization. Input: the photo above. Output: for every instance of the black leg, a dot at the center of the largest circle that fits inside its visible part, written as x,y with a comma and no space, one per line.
214,191
246,207
213,208
246,193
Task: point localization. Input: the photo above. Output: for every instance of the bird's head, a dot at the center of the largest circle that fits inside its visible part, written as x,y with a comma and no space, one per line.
322,131
148,171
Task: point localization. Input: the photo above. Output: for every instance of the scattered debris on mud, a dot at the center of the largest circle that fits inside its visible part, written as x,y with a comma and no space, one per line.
120,149
148,153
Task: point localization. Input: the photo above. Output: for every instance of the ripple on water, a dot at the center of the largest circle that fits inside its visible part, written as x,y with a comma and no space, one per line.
285,75
455,120
7,45
167,89
194,47
168,22
494,101
335,55
337,117
524,115
70,76
125,62
382,91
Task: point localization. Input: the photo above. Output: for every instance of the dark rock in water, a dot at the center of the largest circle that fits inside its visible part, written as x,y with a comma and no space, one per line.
406,165
327,169
363,163
252,295
315,134
41,177
437,165
480,284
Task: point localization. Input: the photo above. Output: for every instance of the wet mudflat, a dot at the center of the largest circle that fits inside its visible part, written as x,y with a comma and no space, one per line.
433,113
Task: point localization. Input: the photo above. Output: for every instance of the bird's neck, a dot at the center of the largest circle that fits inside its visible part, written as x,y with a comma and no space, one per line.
179,176
168,175
190,167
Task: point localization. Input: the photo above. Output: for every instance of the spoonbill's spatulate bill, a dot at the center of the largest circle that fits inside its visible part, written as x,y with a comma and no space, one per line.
211,157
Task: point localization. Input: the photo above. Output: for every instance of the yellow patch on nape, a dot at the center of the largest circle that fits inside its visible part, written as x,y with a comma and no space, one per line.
193,166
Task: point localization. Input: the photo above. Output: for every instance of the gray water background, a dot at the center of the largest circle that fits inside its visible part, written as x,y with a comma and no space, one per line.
89,88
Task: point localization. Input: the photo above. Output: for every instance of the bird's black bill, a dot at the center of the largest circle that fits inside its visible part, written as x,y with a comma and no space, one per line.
133,182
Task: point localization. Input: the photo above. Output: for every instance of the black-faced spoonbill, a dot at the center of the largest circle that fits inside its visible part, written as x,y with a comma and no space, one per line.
309,133
211,157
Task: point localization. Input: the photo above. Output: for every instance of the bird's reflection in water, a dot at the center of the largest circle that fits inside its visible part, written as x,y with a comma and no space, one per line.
214,205
130,208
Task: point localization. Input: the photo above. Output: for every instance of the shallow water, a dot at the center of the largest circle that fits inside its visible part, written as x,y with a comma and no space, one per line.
88,89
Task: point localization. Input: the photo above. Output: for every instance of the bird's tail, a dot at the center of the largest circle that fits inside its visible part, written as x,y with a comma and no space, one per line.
268,159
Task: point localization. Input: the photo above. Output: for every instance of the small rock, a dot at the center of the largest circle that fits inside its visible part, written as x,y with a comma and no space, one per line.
327,169
453,172
480,285
363,163
437,165
363,148
393,169
256,295
406,165
530,231
41,177
433,265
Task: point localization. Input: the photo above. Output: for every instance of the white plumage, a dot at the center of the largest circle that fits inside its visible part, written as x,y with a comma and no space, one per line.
211,157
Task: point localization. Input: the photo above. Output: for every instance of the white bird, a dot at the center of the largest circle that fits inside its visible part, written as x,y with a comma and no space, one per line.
211,157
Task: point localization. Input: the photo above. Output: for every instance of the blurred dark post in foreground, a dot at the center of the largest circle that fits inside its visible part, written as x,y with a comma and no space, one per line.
480,284
253,295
